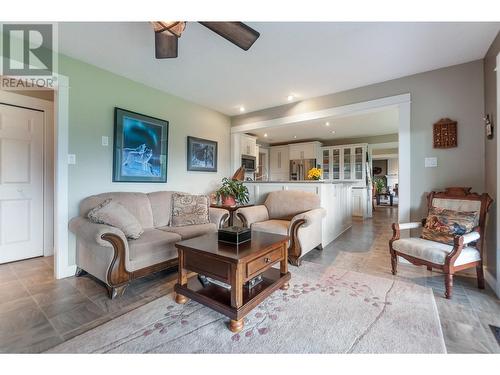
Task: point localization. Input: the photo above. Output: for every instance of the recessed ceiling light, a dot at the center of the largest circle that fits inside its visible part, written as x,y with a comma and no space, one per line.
333,131
265,135
242,109
290,98
327,123
294,137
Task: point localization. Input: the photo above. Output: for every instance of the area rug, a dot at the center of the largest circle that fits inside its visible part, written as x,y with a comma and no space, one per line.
325,310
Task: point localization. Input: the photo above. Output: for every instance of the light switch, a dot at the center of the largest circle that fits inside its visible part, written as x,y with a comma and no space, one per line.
104,140
431,162
71,159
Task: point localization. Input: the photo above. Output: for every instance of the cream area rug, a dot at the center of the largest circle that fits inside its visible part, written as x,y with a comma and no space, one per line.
325,310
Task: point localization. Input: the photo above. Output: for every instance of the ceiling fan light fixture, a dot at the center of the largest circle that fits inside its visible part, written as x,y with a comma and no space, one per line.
172,27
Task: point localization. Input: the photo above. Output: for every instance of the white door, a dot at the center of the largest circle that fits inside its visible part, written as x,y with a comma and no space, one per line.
21,183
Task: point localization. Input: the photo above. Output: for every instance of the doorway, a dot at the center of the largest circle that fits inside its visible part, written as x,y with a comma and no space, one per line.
26,176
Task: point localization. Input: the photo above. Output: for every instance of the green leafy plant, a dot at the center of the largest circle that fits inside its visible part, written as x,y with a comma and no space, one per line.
379,184
233,188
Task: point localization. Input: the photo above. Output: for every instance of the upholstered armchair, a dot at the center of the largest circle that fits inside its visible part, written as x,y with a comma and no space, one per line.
297,214
467,249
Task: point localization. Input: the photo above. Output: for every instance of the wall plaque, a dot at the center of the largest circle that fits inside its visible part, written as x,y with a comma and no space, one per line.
445,133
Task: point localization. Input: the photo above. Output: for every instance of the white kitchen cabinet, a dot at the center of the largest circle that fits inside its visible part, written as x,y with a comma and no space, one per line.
344,163
248,145
359,201
306,150
279,166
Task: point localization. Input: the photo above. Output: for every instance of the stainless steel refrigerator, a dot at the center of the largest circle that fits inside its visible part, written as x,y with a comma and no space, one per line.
300,167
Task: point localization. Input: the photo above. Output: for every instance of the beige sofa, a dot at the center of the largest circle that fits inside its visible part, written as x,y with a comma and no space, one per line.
297,214
104,252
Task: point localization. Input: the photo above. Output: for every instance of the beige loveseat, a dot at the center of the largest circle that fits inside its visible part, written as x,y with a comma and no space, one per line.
104,252
297,214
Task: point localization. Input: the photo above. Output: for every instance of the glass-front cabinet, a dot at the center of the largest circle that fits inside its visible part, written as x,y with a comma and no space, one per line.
325,163
346,162
358,163
335,163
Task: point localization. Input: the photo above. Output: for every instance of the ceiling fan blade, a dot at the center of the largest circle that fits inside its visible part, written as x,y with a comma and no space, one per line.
165,45
236,32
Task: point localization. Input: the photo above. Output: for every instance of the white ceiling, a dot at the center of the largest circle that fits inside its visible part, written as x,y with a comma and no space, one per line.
363,125
306,59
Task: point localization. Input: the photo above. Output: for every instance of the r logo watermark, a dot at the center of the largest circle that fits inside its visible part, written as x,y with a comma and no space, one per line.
28,56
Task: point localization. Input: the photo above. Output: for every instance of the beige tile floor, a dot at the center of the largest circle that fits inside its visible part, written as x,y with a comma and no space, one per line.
38,312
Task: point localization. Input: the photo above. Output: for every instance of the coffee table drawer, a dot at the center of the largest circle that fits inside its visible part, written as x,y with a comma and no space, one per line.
264,262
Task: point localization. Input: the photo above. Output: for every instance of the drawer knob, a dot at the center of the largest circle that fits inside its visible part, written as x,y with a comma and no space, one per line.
267,260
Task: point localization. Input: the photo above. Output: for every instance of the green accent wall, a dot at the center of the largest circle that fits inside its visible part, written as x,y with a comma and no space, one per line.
93,95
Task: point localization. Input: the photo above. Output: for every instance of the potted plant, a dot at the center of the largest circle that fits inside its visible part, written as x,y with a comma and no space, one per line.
232,192
379,185
314,174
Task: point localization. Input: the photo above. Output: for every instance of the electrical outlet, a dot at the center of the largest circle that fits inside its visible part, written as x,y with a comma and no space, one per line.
71,159
105,140
431,162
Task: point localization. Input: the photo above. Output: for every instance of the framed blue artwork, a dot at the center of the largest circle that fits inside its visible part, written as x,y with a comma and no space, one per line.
140,148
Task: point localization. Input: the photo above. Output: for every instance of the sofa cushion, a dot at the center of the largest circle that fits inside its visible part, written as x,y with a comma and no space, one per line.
137,203
189,209
272,226
152,247
442,225
114,214
434,252
161,206
190,231
288,203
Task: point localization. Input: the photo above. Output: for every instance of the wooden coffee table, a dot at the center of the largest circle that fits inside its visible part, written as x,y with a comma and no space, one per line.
233,265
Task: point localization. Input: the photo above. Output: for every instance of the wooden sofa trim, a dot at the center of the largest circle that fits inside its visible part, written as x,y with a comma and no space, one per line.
118,278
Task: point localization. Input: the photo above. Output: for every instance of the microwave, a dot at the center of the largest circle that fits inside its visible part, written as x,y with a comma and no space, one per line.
248,162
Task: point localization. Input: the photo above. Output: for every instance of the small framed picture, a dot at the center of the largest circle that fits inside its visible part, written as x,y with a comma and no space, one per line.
201,155
139,148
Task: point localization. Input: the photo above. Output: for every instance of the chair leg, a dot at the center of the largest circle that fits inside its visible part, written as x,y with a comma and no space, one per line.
480,276
448,283
394,263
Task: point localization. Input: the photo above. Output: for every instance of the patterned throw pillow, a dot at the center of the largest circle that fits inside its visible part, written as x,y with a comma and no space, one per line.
189,209
114,214
442,225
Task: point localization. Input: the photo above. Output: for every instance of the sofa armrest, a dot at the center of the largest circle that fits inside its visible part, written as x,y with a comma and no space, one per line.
92,232
471,237
218,216
253,214
310,217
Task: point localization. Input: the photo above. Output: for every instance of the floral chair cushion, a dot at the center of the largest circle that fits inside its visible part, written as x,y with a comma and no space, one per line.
442,225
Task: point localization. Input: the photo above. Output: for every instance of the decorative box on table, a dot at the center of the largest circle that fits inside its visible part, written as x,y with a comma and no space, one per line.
235,235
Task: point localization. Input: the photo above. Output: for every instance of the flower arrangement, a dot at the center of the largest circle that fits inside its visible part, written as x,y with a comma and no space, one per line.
314,174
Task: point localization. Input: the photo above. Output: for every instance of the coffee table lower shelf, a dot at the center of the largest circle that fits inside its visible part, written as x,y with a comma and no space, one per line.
218,298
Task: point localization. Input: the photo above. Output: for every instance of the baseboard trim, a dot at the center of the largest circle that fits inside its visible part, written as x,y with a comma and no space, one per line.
66,272
492,282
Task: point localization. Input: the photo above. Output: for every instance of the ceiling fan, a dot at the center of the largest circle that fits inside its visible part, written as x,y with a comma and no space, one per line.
167,35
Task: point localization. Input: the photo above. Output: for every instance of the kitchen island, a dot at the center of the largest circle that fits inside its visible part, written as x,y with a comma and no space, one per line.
335,199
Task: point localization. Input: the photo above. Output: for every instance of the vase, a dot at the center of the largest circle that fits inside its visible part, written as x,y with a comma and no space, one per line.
228,201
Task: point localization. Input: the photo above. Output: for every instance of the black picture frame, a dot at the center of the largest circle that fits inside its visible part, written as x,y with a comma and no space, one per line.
140,148
201,151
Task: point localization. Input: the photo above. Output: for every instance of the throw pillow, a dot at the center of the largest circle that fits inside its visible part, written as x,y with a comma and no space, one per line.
114,214
189,209
443,225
